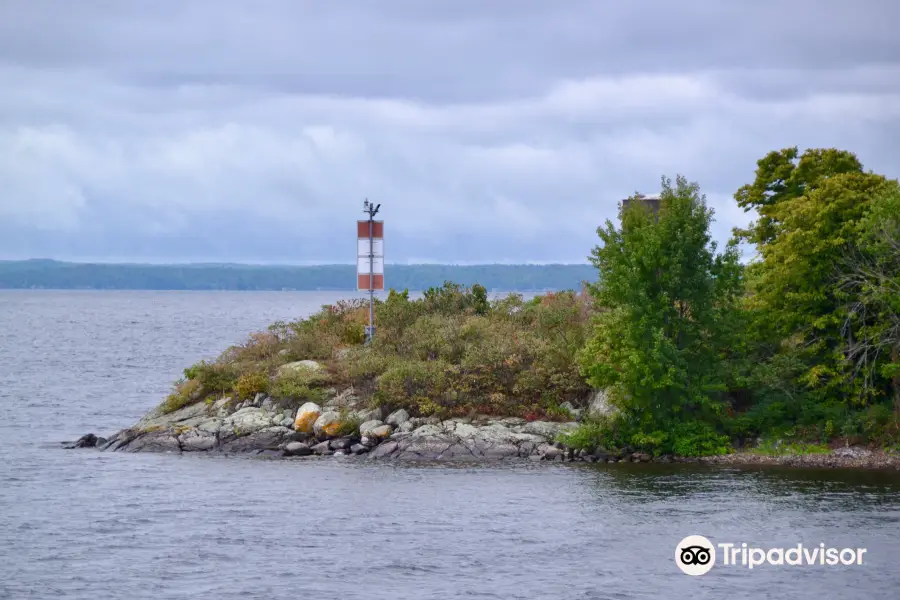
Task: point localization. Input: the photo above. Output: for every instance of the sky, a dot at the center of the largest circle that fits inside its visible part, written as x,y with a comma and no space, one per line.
488,130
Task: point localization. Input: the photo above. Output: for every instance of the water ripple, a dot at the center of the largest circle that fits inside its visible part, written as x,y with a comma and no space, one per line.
80,524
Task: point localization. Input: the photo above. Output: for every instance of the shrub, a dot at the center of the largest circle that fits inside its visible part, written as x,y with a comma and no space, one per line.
411,379
250,384
215,377
365,364
434,337
451,352
298,383
186,392
260,347
589,435
696,438
618,433
653,442
771,447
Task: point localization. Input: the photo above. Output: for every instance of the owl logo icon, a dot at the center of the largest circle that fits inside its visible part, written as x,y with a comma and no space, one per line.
695,555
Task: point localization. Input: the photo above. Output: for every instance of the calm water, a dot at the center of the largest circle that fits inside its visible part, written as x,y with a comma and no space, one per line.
80,524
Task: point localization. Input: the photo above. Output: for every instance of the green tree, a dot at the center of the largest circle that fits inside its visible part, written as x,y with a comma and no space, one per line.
667,297
782,176
870,284
796,288
480,299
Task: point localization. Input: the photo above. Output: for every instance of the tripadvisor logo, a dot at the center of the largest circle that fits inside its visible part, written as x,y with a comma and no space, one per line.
696,555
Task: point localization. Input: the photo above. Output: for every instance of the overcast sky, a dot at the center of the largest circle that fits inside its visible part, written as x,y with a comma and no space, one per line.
489,130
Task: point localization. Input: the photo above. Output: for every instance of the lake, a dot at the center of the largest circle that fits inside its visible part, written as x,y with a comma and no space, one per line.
83,524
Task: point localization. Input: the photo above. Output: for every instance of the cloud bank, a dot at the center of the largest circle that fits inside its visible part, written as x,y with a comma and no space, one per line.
489,131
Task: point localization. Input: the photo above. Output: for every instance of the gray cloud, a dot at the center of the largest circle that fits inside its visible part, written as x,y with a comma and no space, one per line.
489,130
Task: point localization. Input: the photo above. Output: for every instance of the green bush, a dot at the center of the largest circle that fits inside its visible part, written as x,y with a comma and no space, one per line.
215,377
298,383
186,392
451,352
252,383
654,442
589,435
411,379
698,439
363,365
770,447
618,433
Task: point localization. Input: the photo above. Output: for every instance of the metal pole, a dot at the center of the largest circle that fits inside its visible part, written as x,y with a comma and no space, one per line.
371,209
371,277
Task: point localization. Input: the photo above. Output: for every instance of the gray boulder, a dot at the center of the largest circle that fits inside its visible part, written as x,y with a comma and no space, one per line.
599,405
327,425
368,426
456,440
270,438
196,440
119,440
307,415
248,420
546,429
300,366
552,453
340,443
212,425
297,449
384,450
358,449
88,440
298,436
154,441
370,414
322,449
380,433
397,418
156,419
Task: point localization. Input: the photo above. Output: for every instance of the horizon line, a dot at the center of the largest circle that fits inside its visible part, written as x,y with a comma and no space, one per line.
294,265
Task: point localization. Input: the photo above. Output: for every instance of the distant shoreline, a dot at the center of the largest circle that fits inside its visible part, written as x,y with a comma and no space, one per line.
39,274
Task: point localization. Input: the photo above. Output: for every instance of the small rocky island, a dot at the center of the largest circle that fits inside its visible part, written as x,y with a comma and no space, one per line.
342,425
449,377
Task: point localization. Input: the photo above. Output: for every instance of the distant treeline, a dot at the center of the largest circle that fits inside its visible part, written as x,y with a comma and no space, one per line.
51,274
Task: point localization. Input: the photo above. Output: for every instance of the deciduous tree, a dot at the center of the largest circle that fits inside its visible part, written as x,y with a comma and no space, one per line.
666,295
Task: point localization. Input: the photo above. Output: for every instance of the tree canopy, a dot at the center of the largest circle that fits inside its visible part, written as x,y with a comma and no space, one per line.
668,295
802,343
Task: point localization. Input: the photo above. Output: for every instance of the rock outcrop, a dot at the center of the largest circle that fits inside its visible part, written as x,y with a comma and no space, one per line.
263,426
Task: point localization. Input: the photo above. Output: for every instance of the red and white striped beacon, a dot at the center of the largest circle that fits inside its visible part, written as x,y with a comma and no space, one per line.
370,259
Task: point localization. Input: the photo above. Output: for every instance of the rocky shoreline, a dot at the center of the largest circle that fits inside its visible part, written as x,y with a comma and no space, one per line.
314,431
852,457
262,427
345,426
